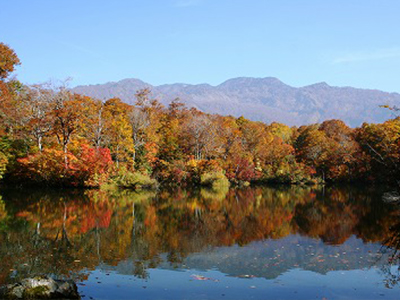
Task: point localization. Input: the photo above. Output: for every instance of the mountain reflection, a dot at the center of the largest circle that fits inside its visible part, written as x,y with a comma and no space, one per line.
262,231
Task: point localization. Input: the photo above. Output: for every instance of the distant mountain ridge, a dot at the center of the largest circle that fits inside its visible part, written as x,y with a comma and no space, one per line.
262,99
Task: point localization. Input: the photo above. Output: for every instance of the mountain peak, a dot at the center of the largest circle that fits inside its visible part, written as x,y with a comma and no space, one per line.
262,99
322,84
132,81
251,81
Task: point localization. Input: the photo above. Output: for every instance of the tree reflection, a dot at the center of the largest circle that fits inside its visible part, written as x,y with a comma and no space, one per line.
391,247
72,232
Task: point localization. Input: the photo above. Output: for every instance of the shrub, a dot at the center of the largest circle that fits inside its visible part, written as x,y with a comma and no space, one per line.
215,179
46,167
135,180
242,169
175,172
289,172
90,168
3,164
93,166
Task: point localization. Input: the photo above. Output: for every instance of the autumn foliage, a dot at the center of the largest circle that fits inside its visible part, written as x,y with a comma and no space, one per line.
90,168
51,136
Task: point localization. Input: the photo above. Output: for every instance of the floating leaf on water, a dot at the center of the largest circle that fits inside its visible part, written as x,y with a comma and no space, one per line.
202,278
246,276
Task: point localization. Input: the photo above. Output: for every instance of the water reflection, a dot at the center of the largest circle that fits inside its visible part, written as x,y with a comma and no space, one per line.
261,232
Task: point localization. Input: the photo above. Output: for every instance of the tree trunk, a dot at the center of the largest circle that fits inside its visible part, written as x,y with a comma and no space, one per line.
65,148
117,157
39,141
133,159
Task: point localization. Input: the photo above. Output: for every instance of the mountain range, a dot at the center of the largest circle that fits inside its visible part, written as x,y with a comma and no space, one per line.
262,99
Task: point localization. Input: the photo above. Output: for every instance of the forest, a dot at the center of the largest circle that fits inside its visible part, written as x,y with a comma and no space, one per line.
50,136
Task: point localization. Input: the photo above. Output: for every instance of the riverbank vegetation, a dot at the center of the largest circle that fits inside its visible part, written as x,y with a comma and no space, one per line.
50,136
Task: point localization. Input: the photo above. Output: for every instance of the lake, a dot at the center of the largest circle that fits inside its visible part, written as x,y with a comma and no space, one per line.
251,243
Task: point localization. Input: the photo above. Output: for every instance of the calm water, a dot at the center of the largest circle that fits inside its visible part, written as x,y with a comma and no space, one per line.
253,243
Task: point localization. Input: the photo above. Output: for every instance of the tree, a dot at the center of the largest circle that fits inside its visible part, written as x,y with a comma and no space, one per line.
230,135
170,131
8,88
345,153
200,134
153,112
381,142
255,139
139,120
93,122
8,61
38,122
118,132
67,112
314,148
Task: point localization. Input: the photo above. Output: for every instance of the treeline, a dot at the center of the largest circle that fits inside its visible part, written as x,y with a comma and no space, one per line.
50,136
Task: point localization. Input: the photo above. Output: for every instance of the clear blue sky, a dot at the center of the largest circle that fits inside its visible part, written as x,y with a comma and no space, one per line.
342,42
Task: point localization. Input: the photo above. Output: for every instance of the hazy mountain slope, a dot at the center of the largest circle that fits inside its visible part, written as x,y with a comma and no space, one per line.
262,99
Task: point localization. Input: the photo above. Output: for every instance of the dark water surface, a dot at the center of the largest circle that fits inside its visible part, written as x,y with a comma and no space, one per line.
253,243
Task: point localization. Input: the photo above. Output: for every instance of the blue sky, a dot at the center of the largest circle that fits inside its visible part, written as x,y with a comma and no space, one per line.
301,42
